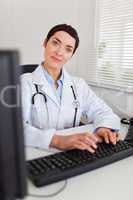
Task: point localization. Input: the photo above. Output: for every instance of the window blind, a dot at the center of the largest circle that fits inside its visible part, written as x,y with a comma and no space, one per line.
114,52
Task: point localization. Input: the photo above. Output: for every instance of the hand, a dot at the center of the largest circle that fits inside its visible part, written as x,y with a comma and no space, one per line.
107,135
82,141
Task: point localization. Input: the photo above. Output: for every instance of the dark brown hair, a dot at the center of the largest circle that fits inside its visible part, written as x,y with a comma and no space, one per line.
67,28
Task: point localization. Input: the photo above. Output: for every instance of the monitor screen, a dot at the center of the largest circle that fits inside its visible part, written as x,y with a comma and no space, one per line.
12,157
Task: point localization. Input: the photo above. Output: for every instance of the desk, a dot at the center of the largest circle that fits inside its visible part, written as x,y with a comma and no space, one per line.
112,182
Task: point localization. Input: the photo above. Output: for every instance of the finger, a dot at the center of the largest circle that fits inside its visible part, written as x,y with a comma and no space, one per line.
91,143
88,140
86,146
91,150
83,146
78,146
93,137
112,137
117,137
106,138
100,139
102,133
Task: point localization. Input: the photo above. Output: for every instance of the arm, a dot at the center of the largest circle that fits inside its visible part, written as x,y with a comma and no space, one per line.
98,111
106,122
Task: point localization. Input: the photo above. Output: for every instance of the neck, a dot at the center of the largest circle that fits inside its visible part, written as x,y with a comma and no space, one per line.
55,73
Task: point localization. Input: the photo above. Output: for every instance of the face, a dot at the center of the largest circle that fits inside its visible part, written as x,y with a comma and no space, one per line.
58,50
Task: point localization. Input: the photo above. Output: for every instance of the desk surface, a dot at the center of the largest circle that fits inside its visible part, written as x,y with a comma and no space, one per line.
112,182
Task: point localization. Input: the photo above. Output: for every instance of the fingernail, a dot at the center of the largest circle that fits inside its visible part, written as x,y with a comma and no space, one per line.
95,146
92,150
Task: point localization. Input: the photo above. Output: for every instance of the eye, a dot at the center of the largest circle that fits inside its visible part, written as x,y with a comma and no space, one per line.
55,42
69,50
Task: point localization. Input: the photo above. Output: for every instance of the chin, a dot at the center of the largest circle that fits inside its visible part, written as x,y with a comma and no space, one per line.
56,66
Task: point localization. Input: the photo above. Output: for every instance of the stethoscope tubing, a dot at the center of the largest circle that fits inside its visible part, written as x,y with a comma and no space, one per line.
37,92
76,108
45,99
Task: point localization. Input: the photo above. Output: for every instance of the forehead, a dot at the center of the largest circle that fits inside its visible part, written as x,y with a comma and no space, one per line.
64,38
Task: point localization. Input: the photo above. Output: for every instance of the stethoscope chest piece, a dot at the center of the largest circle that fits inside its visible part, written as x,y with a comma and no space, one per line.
76,103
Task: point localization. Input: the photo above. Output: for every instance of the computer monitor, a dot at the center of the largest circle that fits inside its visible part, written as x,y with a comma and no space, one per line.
12,157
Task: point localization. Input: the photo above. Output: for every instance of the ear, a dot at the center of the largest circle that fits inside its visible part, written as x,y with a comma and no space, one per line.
45,43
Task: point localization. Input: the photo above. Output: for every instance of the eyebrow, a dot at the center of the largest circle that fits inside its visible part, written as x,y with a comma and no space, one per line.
60,42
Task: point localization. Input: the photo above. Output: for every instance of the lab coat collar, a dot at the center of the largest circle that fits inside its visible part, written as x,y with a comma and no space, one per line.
38,75
44,86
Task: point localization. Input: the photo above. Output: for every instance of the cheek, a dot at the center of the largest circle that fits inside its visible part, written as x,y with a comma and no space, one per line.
67,58
48,50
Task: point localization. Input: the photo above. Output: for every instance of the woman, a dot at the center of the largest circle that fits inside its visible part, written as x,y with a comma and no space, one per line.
63,99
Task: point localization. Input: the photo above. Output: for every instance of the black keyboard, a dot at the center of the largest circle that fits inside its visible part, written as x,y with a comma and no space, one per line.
63,165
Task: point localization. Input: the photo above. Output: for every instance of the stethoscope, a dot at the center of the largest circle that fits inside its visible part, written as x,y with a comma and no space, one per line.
127,121
75,102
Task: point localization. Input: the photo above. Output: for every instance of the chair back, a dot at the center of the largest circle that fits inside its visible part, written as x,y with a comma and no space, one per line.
28,68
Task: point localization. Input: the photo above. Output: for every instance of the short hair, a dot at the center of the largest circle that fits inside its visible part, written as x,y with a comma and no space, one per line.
67,28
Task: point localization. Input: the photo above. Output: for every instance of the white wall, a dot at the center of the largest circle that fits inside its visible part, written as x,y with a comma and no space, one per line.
25,23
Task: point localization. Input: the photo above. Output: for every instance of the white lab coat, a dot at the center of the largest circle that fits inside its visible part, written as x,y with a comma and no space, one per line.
41,121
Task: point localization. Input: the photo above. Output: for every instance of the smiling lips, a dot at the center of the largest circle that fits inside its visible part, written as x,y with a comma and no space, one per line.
56,59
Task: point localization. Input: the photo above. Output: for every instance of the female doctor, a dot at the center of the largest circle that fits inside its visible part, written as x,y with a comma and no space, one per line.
53,100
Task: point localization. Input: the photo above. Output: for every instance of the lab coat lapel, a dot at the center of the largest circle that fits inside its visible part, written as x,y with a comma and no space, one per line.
44,86
66,91
66,99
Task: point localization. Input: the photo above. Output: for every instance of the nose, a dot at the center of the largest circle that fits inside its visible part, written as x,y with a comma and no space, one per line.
60,51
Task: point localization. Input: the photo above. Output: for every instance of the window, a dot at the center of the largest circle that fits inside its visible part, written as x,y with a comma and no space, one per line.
114,52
